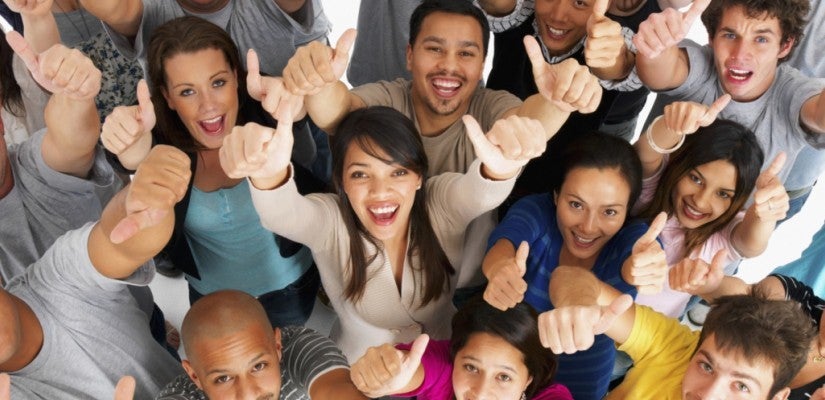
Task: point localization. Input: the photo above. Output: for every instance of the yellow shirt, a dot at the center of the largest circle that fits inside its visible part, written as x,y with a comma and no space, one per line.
661,349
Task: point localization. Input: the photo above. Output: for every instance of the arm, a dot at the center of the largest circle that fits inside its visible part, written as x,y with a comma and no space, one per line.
657,51
69,144
39,23
123,16
333,385
812,116
770,205
605,51
137,223
385,370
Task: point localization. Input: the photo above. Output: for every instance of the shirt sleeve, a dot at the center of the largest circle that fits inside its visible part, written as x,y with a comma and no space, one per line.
438,371
524,222
309,355
523,10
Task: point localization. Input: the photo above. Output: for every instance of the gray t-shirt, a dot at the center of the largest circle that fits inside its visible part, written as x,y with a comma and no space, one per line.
93,331
44,204
307,355
258,25
773,117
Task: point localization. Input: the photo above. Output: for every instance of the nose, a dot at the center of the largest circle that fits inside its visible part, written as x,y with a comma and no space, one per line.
378,186
448,61
207,100
716,389
589,224
702,199
481,390
740,50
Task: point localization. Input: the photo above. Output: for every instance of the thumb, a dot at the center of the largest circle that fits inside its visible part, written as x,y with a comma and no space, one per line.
134,223
696,10
521,257
145,105
342,48
776,165
482,146
253,75
717,264
531,45
653,231
419,346
714,110
24,51
125,389
5,386
600,9
609,314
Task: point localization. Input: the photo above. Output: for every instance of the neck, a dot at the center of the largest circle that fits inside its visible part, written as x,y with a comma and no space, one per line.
31,337
65,6
433,124
568,259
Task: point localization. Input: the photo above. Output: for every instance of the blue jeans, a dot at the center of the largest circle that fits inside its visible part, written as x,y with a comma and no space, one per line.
291,305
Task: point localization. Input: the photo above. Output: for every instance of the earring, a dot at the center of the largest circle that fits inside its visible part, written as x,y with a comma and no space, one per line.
523,396
419,187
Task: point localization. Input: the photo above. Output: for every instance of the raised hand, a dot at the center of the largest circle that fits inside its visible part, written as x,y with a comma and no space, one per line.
258,152
30,7
686,117
696,277
271,92
605,45
646,268
316,65
568,85
125,389
663,30
509,145
60,70
573,328
506,285
159,183
126,125
770,200
385,370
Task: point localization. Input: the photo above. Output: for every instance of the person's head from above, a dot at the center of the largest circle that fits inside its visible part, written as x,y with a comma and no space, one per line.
379,172
598,179
750,348
232,350
750,38
445,55
562,23
203,6
708,180
197,80
498,354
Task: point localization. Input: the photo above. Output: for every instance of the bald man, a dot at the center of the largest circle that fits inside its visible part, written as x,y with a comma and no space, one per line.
235,354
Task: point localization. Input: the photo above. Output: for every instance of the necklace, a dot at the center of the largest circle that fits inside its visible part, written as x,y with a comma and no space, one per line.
818,358
71,21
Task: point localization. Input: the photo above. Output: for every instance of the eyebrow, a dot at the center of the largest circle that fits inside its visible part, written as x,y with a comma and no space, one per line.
511,369
696,171
735,374
761,31
441,41
210,78
580,200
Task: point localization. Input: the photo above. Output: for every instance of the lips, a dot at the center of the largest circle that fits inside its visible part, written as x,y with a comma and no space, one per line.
692,213
213,126
446,87
383,215
583,242
739,75
555,33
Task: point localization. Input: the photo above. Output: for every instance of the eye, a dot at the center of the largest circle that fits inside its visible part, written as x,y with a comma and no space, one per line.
725,195
434,49
470,368
400,172
576,205
467,54
706,367
186,92
695,178
357,175
611,212
219,83
580,3
222,379
761,39
504,378
741,387
259,366
729,35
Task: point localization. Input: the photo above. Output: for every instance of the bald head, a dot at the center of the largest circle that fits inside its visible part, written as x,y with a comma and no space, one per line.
221,314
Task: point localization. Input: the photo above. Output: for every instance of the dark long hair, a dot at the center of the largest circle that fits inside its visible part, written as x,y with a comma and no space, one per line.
187,35
386,134
10,93
721,140
518,326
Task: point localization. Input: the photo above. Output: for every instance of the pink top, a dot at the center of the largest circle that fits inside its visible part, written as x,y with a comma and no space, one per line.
438,373
670,302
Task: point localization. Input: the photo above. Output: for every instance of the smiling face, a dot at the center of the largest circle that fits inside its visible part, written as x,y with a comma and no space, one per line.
746,53
203,89
591,207
488,367
716,374
447,63
381,194
241,365
704,193
562,23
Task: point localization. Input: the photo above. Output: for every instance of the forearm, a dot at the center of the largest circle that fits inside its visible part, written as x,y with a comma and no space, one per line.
41,31
121,15
328,107
334,385
135,154
812,115
119,261
501,251
497,8
730,285
672,59
540,109
620,70
73,129
663,137
574,286
750,237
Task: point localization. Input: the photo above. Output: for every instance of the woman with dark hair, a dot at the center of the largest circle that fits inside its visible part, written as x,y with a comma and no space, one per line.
387,242
704,185
197,95
582,222
491,354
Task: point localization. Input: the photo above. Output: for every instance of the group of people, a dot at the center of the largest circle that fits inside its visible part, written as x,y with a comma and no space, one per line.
501,239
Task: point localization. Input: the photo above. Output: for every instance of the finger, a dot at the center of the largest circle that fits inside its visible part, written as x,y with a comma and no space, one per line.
134,223
254,146
482,146
548,334
521,257
253,75
652,233
600,8
609,314
145,106
695,11
23,50
125,389
342,49
535,55
714,110
419,346
717,265
776,165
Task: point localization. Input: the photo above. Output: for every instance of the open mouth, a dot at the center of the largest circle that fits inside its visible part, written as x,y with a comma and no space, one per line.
583,242
739,75
212,127
692,213
384,215
554,33
446,88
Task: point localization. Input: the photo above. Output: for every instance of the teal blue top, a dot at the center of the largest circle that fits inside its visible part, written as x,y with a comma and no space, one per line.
232,249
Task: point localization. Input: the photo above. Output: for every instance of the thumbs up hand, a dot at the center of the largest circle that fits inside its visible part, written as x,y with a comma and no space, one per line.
770,200
666,29
316,65
127,126
605,46
506,285
646,268
385,370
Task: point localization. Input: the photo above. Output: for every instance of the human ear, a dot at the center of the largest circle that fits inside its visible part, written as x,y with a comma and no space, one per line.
187,366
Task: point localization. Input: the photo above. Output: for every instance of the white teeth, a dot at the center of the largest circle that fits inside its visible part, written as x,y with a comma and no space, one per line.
213,120
583,240
692,211
383,210
555,31
446,83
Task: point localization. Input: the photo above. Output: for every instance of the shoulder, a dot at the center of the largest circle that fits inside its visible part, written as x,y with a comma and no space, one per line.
181,388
